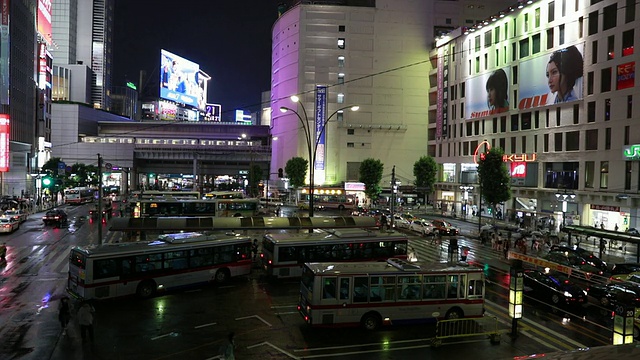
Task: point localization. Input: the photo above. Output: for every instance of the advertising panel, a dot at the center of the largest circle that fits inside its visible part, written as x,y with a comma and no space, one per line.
442,102
179,79
626,76
4,142
4,52
213,112
321,113
167,111
487,94
45,67
44,20
551,79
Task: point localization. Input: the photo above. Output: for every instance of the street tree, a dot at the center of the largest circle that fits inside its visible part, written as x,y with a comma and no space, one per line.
82,175
494,178
57,180
296,170
425,170
255,176
371,175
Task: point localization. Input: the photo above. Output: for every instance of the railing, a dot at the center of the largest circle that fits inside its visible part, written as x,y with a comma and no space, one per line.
456,328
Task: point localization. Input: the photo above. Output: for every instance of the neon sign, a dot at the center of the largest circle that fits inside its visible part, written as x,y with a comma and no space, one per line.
513,158
632,152
518,170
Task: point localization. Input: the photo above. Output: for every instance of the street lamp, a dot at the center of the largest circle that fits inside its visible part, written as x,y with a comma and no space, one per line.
312,143
466,189
564,196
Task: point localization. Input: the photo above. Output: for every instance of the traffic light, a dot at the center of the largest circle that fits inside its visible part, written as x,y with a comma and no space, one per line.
47,181
280,173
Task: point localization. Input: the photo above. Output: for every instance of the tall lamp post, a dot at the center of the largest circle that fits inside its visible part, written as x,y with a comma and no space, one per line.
564,196
312,142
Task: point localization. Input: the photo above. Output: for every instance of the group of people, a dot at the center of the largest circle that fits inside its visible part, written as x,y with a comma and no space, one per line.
84,317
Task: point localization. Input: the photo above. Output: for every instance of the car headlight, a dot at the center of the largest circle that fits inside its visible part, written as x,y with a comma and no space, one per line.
585,292
567,294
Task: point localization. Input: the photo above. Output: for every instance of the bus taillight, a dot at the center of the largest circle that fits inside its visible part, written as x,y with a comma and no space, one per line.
269,262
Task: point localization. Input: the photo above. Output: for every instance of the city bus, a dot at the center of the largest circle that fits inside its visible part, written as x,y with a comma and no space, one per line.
144,268
224,195
195,207
372,294
329,201
78,195
283,254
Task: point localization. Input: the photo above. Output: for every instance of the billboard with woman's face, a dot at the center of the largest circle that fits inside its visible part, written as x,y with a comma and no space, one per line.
554,78
487,94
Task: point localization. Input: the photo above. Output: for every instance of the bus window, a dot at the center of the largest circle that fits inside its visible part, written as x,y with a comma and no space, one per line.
382,288
409,287
360,289
434,287
344,288
453,287
475,289
329,288
105,269
149,262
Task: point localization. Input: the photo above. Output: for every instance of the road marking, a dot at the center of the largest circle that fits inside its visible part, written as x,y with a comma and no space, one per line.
254,316
275,347
204,325
161,336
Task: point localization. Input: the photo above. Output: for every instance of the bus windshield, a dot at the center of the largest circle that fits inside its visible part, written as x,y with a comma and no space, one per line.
196,207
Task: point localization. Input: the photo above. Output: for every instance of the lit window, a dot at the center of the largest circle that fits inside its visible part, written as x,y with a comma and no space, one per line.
340,78
341,43
341,61
340,98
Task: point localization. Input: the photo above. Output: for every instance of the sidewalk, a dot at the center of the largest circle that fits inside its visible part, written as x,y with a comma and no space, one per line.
614,254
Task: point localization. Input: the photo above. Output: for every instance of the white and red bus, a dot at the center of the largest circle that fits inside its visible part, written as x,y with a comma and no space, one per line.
284,254
196,207
372,294
328,199
143,268
78,195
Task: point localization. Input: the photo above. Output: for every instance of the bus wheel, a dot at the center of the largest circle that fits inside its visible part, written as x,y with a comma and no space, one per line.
146,289
371,321
237,215
340,207
222,275
455,313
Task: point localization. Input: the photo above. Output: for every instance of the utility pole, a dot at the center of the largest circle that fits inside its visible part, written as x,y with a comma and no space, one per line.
99,199
394,189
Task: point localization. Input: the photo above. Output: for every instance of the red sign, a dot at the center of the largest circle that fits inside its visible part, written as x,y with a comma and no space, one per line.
626,76
4,142
44,20
518,169
605,207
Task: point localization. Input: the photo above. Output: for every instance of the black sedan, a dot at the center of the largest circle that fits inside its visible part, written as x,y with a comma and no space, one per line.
625,268
617,293
55,217
587,255
553,288
584,269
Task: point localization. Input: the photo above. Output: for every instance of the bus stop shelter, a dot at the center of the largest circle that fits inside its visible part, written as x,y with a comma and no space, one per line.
609,235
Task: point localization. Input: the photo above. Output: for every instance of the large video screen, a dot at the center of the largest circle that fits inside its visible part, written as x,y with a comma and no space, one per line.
179,80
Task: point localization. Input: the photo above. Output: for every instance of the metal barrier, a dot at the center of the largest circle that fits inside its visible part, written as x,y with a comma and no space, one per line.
456,328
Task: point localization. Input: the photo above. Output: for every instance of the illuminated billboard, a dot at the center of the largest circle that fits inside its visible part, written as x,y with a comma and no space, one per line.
179,79
554,78
4,52
488,94
44,20
213,112
4,142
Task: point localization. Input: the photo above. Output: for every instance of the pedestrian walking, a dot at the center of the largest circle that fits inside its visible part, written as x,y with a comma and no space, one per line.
85,319
228,348
383,222
505,248
64,313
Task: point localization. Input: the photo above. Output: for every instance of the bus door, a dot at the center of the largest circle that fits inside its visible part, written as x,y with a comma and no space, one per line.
335,291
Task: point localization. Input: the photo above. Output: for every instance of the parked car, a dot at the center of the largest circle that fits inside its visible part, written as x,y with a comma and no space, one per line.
8,224
584,253
443,227
55,217
625,268
633,277
424,227
19,215
574,261
553,288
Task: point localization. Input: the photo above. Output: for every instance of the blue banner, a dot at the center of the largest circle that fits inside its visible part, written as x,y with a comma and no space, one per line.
321,114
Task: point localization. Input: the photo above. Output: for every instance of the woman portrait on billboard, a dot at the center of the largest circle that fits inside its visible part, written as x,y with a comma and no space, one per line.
565,67
497,92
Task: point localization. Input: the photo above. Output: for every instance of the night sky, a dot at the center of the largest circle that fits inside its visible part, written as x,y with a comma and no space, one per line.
231,40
